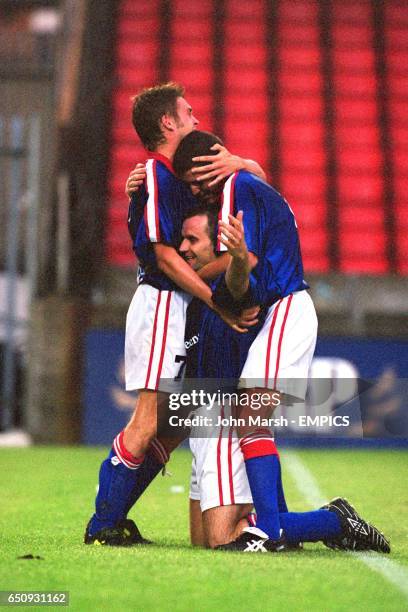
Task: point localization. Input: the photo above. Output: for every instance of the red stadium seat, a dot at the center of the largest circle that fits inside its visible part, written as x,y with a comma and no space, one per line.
245,11
245,80
303,12
354,60
359,188
301,107
290,33
361,243
236,106
245,32
309,216
300,82
298,187
245,55
351,11
397,37
314,242
396,13
310,158
397,110
199,53
401,216
398,85
132,9
356,159
356,111
359,135
303,133
189,29
350,35
298,57
354,265
138,52
198,9
138,28
355,85
368,217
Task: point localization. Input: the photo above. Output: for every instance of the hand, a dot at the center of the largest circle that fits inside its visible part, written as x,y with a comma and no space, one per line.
232,235
135,179
238,323
219,167
249,316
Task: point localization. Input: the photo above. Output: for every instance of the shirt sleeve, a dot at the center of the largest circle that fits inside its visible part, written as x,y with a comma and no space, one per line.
246,200
158,217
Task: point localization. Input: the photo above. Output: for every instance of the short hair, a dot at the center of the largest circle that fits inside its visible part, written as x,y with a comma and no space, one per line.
194,144
212,220
149,106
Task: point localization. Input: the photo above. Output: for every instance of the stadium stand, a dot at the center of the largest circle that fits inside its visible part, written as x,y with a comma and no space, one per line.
316,92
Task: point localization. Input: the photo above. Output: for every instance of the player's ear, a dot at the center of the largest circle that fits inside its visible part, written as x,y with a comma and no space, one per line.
167,122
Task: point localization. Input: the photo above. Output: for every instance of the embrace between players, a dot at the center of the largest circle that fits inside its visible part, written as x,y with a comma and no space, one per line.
220,263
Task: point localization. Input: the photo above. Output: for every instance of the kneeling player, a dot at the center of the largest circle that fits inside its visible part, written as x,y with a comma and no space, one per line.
220,497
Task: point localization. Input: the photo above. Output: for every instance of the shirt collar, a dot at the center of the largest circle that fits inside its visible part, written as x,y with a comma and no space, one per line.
161,158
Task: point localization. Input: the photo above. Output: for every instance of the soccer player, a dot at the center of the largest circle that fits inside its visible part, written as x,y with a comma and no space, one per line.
154,345
279,358
220,498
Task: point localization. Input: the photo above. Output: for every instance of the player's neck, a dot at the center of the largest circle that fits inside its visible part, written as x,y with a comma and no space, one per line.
167,149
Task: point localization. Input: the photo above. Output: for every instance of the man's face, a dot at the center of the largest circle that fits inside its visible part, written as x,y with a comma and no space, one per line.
207,195
196,247
185,120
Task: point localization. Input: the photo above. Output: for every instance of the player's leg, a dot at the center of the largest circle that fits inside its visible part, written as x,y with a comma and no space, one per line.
154,335
156,457
261,459
224,524
197,535
287,337
119,471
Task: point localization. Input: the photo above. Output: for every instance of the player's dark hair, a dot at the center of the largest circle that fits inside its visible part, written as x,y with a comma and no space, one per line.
194,144
212,220
149,106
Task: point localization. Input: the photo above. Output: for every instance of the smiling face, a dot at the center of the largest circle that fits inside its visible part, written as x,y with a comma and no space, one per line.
197,247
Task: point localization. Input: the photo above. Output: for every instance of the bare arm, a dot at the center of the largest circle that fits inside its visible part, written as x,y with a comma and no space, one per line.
213,269
178,270
174,266
223,164
232,234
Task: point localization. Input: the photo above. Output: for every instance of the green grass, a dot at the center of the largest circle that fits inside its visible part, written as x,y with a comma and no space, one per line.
47,496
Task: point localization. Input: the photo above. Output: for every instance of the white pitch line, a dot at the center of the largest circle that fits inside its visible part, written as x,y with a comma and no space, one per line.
309,488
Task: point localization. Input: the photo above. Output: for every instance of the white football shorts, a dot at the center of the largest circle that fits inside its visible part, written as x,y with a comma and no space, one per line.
218,476
281,354
154,342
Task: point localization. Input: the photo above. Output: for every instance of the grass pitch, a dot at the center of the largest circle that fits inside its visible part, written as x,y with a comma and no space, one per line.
47,497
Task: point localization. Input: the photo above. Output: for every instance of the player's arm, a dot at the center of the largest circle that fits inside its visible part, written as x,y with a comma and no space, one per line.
223,164
213,269
174,267
232,235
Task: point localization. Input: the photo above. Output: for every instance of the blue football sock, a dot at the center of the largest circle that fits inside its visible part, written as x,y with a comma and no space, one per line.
282,506
310,526
145,475
263,473
116,483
